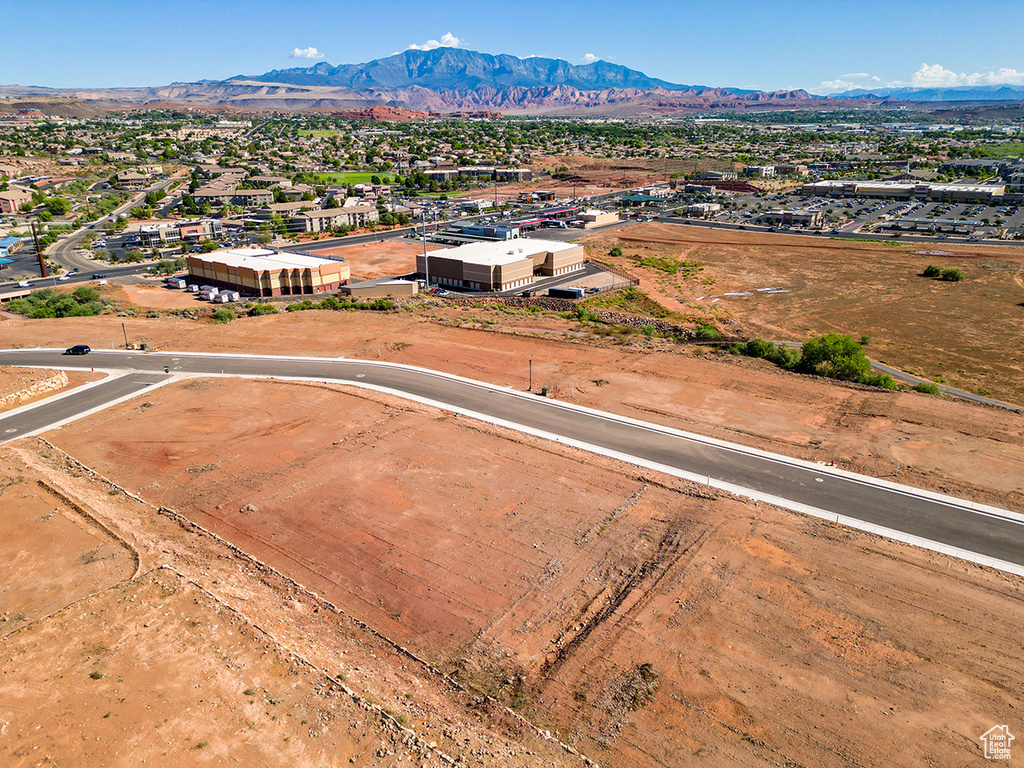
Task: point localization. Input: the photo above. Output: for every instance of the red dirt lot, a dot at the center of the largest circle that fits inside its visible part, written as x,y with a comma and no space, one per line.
50,553
205,657
969,334
381,259
157,297
643,620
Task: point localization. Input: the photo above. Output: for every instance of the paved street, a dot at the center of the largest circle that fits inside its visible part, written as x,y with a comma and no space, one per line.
947,524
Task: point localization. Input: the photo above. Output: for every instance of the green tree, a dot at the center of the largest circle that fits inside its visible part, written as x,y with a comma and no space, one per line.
85,294
58,206
836,356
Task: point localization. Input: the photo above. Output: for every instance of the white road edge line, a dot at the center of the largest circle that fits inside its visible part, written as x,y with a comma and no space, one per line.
701,479
101,407
890,533
109,376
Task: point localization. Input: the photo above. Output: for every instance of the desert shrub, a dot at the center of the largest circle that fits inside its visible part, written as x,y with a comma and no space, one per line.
616,251
261,309
932,271
927,388
881,380
780,354
346,304
223,315
786,357
756,348
85,295
707,332
952,275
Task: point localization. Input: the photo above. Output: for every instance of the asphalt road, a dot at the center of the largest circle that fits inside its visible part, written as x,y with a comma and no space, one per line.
65,250
950,524
78,402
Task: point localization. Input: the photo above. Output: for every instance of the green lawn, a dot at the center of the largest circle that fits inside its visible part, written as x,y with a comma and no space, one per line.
318,133
350,177
1010,149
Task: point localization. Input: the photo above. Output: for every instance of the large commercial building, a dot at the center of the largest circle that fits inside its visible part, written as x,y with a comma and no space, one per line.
170,232
329,218
791,218
500,266
264,272
982,193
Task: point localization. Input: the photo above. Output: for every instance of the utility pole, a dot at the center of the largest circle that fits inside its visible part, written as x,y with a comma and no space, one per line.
39,252
426,264
125,336
531,377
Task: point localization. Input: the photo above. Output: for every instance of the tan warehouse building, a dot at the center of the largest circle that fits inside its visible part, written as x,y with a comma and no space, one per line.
500,266
263,272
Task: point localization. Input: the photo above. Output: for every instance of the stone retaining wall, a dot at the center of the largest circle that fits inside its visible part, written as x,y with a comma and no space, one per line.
57,380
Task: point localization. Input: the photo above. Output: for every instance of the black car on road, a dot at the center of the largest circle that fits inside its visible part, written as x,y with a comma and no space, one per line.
78,349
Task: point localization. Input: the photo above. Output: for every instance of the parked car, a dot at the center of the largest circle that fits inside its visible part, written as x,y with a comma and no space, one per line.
78,349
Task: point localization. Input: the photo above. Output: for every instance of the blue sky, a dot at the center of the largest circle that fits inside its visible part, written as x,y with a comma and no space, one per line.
822,46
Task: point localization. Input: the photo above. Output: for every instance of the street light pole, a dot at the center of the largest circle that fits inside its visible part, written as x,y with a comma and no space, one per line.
125,336
531,376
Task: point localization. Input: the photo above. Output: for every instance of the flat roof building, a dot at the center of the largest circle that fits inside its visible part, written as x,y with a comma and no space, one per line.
500,266
788,217
906,190
265,272
597,218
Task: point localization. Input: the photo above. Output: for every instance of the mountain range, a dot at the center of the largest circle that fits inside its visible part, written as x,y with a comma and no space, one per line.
447,80
949,93
459,69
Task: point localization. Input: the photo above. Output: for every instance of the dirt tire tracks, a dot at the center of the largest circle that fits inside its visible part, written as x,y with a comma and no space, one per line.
645,577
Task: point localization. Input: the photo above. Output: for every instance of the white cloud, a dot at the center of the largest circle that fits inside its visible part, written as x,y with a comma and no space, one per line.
306,53
589,58
937,76
835,86
854,76
448,40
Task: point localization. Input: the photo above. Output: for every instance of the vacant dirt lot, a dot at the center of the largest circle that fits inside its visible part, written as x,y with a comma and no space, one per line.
157,297
385,258
970,334
207,657
643,619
